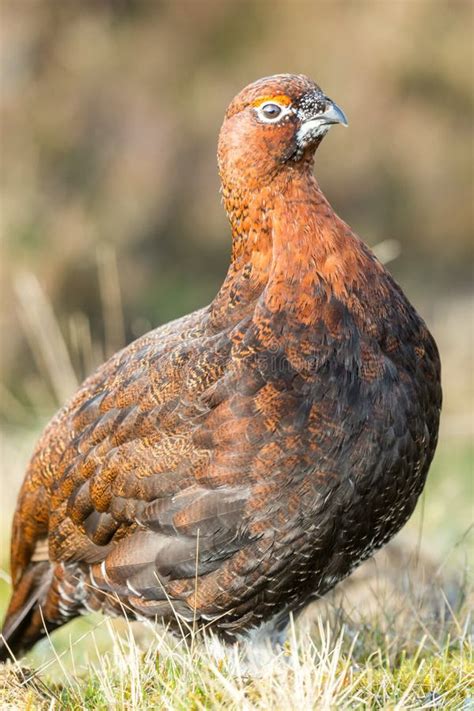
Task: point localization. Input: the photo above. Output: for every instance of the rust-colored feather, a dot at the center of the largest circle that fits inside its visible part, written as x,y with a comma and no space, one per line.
233,463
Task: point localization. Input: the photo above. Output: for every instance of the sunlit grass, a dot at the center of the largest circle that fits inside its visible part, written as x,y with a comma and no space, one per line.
330,663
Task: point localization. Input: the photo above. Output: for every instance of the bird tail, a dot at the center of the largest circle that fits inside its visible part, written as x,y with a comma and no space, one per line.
24,623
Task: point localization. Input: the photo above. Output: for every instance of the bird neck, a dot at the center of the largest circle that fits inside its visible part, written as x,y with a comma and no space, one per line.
287,244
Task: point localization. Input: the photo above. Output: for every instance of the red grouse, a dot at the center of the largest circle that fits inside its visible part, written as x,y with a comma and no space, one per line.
230,465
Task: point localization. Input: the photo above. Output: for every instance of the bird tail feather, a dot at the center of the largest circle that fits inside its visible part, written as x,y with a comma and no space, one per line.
23,624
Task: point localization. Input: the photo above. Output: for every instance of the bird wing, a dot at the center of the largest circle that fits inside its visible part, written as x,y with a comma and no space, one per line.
124,473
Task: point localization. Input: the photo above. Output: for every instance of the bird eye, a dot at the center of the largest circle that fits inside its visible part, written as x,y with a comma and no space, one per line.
270,111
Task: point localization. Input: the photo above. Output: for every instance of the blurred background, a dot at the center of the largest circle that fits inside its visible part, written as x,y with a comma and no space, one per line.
110,208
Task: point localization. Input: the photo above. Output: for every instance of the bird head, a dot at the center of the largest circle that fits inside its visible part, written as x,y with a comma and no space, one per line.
275,122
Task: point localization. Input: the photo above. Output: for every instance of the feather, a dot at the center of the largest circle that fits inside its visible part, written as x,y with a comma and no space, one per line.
232,464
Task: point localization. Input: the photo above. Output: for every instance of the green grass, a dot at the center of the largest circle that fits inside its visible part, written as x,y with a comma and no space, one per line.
321,668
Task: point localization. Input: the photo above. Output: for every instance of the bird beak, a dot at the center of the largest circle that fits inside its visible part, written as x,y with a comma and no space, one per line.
333,114
317,114
319,123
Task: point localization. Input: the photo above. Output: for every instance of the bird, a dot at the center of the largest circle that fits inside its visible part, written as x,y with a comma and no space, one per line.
225,469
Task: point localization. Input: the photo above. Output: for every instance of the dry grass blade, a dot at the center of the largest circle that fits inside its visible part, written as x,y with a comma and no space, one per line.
86,353
45,338
111,299
335,665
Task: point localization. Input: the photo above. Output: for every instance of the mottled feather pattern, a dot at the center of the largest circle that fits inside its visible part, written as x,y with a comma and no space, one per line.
230,465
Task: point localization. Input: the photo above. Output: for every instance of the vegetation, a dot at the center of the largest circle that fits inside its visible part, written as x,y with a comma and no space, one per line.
111,112
408,653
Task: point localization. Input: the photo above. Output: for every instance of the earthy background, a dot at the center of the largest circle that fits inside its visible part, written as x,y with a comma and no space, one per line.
111,217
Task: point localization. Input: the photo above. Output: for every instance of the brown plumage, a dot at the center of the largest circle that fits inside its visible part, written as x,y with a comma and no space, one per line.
231,464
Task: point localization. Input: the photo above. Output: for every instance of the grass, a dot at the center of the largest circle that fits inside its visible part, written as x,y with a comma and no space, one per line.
333,660
396,635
